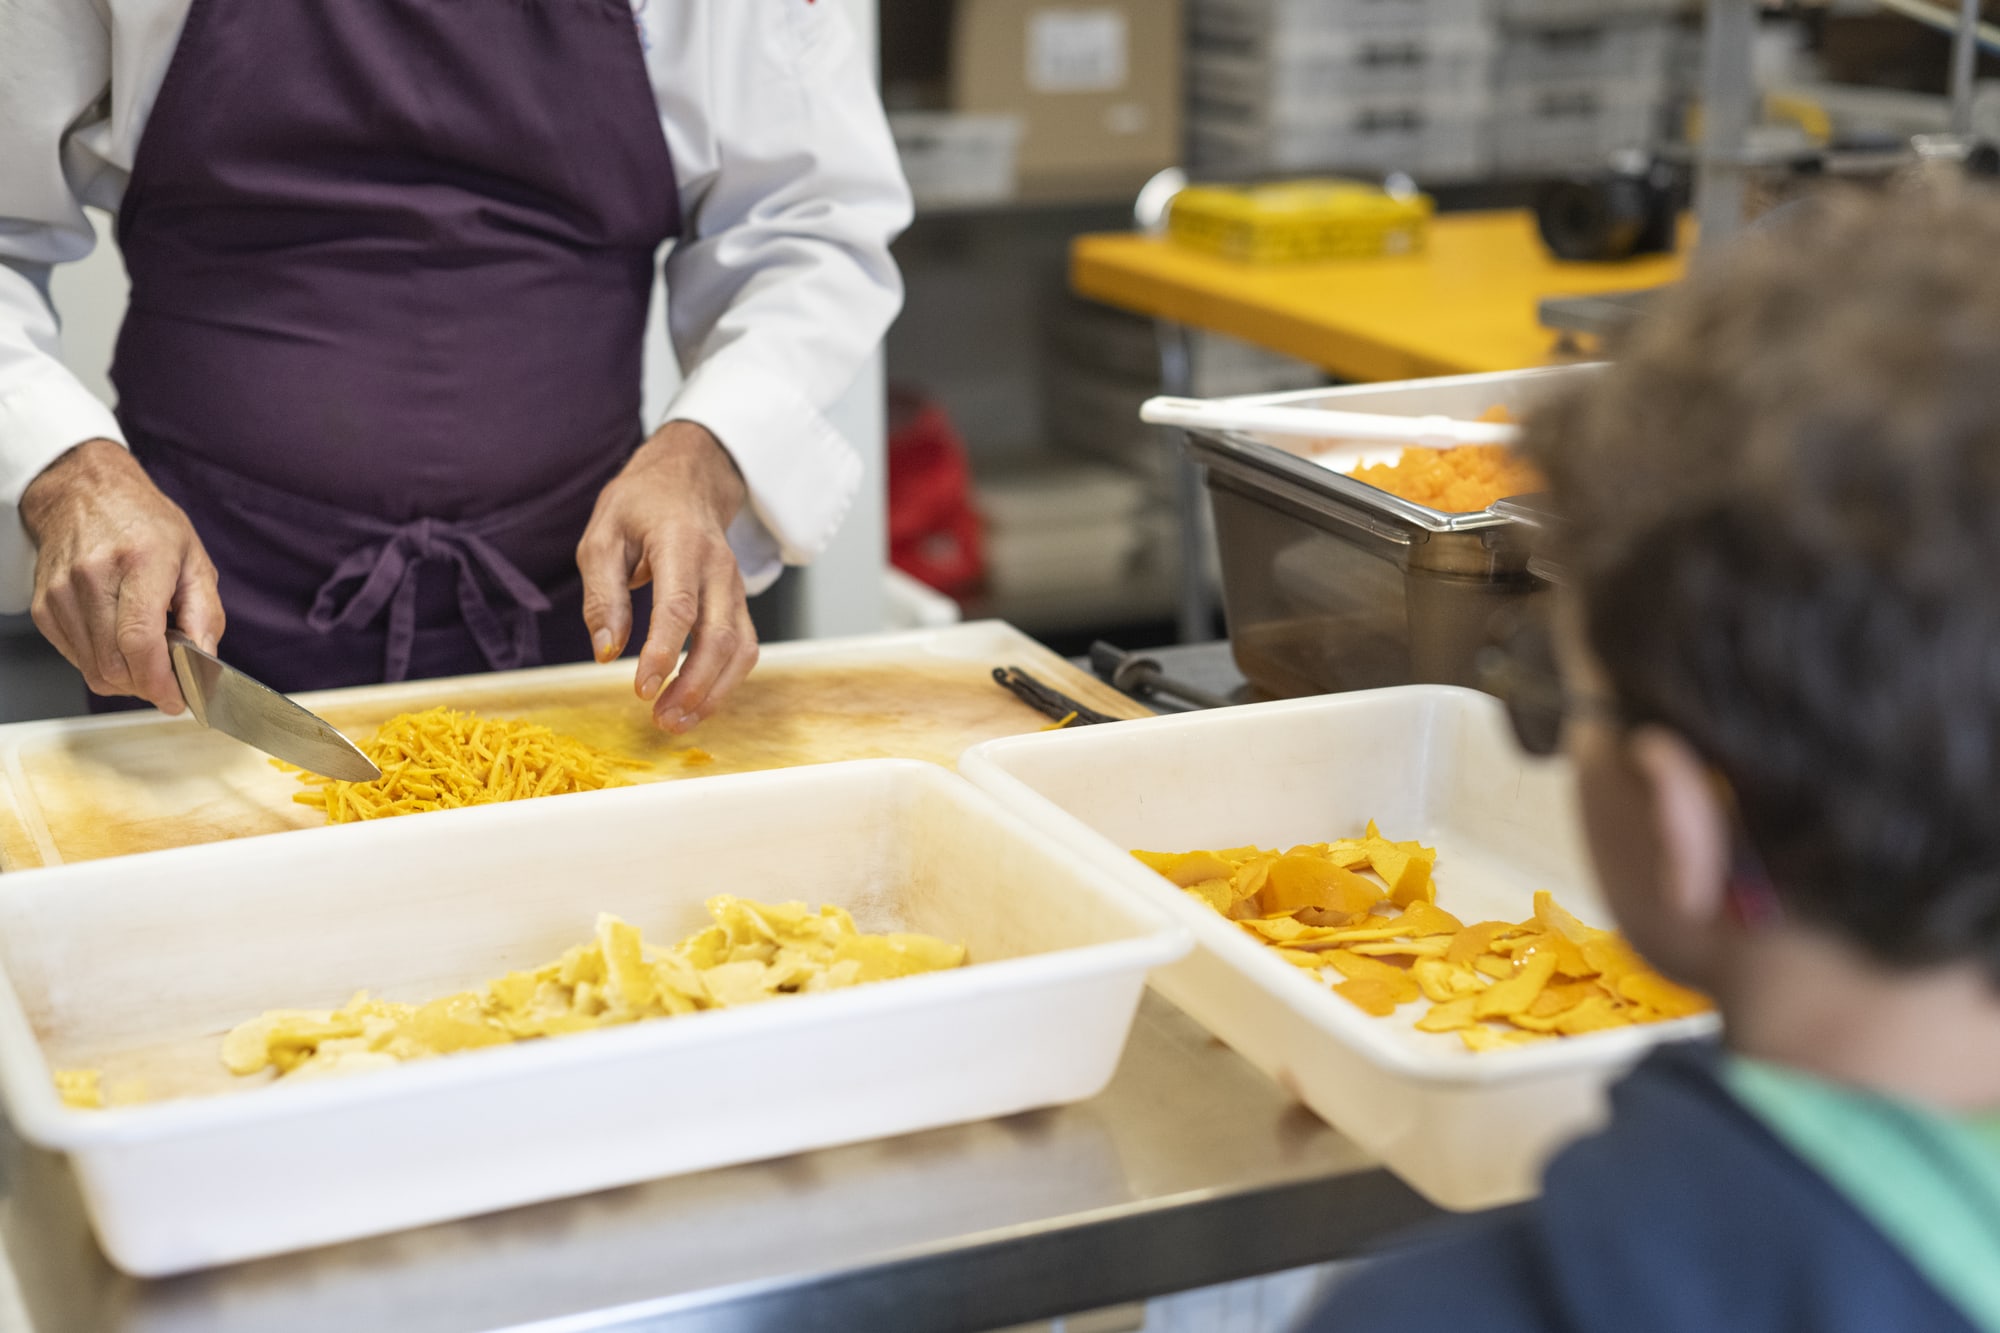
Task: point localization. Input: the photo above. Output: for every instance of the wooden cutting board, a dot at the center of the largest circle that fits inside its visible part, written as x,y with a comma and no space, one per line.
81,788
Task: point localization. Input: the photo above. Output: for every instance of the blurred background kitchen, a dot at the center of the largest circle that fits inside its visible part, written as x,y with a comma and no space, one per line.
1016,479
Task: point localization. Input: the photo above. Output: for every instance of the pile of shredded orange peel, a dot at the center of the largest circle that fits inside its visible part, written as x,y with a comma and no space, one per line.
1462,480
441,759
1362,914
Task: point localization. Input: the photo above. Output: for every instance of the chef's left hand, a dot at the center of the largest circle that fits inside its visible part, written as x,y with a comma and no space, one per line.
665,520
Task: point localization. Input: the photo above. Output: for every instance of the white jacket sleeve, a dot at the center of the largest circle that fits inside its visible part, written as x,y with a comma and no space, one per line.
783,284
54,76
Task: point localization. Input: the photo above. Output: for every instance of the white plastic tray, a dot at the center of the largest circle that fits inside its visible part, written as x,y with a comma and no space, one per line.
1424,761
139,964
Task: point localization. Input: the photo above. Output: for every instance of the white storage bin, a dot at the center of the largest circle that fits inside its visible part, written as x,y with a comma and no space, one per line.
1585,11
1051,561
1060,527
1634,53
143,962
956,159
1430,762
1290,75
1432,139
1256,20
1051,494
1574,124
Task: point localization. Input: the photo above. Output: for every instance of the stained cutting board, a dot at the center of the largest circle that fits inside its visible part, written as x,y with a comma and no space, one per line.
81,788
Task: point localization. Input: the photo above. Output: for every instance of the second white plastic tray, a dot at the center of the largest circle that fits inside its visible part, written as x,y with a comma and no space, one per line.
1430,762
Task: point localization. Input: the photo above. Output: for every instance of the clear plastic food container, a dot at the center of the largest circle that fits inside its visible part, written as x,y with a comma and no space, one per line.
1331,584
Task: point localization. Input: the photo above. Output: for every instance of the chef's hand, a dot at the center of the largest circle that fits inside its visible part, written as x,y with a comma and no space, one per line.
665,520
114,559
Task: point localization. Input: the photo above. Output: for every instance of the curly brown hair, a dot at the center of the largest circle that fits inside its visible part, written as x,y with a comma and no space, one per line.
1782,514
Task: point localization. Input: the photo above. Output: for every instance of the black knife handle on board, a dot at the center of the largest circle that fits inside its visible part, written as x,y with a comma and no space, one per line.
1044,699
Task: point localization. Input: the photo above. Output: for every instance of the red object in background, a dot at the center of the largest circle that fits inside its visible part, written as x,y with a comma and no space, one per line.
934,533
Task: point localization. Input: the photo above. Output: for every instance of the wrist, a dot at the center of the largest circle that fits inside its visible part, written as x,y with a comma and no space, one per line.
706,469
85,465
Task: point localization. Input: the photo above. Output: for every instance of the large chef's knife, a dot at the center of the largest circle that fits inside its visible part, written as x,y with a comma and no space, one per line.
226,700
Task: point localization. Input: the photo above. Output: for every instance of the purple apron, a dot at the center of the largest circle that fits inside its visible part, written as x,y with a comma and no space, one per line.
390,267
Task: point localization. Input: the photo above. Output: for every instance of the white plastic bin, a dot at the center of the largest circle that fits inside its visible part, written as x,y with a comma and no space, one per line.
1048,562
1430,762
1060,526
1236,20
1583,11
1291,75
957,159
141,963
1633,52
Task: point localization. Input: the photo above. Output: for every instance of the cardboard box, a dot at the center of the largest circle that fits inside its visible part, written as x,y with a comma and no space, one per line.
1097,84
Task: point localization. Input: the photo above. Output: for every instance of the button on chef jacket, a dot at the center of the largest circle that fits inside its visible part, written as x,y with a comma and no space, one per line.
780,284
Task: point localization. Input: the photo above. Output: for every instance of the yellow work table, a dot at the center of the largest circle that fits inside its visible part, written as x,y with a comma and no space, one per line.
1466,304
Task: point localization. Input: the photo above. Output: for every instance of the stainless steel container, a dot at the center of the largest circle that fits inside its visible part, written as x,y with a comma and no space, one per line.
1330,584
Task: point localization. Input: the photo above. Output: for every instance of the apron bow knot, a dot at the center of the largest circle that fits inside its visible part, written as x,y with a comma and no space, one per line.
498,601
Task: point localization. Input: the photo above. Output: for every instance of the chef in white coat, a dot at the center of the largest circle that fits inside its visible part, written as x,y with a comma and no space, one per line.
378,385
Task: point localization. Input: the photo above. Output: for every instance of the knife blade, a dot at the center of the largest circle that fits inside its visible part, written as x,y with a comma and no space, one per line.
225,700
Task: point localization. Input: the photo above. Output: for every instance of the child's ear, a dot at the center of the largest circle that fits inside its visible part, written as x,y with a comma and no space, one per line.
1692,826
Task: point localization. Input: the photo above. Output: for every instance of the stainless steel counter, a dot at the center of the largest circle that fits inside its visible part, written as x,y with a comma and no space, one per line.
1191,1168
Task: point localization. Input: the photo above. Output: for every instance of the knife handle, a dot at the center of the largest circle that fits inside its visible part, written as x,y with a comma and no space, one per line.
179,646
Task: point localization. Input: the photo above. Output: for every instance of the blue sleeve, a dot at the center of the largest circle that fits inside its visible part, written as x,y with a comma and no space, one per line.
1478,1274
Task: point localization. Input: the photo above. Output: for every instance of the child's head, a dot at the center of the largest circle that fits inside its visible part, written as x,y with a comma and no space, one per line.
1782,511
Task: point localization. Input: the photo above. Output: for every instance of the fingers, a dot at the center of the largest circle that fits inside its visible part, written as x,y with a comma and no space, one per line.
87,602
664,520
732,675
696,591
61,622
676,603
136,655
724,650
602,559
197,602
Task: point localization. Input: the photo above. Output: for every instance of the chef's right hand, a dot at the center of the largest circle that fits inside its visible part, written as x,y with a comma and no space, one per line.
115,559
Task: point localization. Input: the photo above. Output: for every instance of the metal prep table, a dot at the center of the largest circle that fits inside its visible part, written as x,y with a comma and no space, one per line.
1190,1169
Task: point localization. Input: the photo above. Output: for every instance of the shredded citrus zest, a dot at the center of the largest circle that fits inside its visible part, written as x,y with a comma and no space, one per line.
441,759
1458,481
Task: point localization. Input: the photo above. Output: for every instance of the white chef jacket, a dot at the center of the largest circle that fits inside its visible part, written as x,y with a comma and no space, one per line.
781,286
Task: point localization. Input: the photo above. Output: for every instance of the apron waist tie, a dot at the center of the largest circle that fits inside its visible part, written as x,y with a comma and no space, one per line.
371,563
498,601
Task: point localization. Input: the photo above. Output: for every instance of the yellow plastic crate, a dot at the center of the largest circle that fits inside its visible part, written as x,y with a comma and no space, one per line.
1299,221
